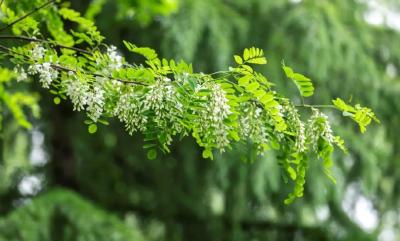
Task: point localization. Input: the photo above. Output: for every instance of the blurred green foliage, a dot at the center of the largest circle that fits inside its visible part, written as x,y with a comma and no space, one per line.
62,215
182,197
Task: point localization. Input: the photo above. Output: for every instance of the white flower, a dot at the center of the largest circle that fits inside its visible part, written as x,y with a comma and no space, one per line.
211,117
253,124
301,138
21,74
115,58
46,73
319,126
162,100
258,112
38,52
280,109
220,103
95,102
327,132
129,111
299,127
77,91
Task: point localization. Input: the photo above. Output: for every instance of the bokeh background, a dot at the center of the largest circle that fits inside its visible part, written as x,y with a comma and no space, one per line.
57,182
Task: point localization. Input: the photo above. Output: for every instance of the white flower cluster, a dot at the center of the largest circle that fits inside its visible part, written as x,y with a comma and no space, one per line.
327,132
211,121
21,74
162,100
115,58
299,127
161,104
38,52
86,97
46,72
219,103
77,92
253,125
95,102
319,126
156,95
129,111
301,138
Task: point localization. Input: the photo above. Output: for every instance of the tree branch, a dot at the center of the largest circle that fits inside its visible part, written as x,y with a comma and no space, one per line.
26,15
316,106
62,68
9,51
30,39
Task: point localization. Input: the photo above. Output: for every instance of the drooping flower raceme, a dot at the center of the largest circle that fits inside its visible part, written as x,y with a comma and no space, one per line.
46,73
159,101
115,58
254,124
128,110
327,132
319,126
21,74
38,52
95,101
45,70
297,126
86,96
77,90
162,100
212,116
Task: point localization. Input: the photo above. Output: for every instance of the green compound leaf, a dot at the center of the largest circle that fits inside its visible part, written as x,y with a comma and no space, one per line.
252,56
303,83
148,53
361,115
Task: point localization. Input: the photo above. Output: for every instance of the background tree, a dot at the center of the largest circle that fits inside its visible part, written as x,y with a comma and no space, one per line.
183,197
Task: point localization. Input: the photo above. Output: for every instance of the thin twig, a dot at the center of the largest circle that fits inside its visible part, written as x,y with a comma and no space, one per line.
316,106
220,72
26,38
302,100
63,68
27,15
9,51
